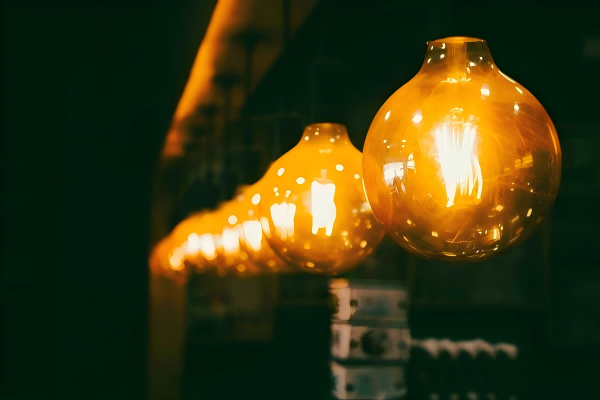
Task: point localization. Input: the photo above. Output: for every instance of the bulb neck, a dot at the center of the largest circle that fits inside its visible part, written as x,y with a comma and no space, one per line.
458,57
325,134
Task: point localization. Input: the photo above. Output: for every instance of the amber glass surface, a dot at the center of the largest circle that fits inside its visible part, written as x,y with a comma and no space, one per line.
159,257
187,248
462,162
210,242
252,239
313,207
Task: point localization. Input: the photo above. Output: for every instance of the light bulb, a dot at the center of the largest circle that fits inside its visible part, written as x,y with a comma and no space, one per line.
313,208
226,229
159,256
190,245
252,238
462,162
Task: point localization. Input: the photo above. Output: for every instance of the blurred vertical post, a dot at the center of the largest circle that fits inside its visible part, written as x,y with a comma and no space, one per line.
166,337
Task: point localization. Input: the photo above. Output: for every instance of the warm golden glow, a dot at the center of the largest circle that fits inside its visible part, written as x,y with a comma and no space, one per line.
230,240
323,208
321,217
458,164
283,219
252,231
457,154
206,243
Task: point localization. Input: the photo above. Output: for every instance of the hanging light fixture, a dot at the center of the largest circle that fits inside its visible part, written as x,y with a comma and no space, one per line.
252,238
462,162
190,246
313,207
230,253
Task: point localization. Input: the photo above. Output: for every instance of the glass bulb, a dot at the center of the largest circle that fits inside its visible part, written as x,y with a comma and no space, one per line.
189,245
462,162
225,228
313,208
159,257
252,239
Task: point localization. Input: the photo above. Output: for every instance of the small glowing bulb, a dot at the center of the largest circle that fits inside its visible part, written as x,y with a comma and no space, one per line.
256,199
339,167
300,180
232,219
356,176
280,171
387,115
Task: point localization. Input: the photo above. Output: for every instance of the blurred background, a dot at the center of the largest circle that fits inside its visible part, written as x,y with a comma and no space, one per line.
115,128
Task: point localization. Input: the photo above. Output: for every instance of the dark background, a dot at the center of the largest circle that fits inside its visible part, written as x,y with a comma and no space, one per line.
89,89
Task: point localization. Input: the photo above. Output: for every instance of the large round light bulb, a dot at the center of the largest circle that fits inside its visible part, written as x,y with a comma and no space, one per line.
313,207
462,162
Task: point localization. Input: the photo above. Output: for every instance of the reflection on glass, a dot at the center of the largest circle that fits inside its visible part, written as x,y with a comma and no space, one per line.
463,151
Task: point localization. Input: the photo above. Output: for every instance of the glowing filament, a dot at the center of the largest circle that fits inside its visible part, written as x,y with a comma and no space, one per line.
230,240
193,244
283,219
207,246
253,234
459,165
323,207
